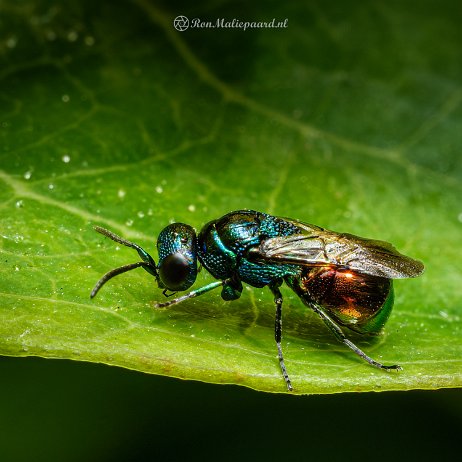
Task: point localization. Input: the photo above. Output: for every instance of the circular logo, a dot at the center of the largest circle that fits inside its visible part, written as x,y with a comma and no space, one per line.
181,23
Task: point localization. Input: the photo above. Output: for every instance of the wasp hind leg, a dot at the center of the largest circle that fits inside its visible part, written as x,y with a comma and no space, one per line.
335,329
274,287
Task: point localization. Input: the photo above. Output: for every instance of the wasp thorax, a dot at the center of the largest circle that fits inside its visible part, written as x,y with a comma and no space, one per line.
177,246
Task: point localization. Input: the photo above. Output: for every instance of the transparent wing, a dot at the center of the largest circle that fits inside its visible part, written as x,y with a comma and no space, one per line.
315,246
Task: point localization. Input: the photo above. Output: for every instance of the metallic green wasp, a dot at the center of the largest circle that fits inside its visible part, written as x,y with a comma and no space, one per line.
347,280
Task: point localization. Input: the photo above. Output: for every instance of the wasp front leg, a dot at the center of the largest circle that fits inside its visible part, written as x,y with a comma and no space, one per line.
192,294
274,287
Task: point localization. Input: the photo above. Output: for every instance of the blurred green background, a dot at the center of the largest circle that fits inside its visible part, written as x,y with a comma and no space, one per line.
349,118
59,410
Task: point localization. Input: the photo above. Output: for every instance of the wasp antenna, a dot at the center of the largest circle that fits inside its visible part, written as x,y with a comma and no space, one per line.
115,237
151,266
115,272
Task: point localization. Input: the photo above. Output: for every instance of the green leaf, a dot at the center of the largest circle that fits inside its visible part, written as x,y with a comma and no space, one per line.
348,118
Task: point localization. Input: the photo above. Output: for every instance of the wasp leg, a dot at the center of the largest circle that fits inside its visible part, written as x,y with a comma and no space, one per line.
232,290
192,294
335,329
274,287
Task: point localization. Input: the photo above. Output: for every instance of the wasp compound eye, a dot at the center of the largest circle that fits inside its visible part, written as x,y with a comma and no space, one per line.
174,271
177,246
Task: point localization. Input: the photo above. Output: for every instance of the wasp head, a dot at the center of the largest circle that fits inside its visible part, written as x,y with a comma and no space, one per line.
177,247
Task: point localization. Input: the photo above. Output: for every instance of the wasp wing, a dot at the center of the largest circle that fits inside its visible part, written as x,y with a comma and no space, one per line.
315,246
